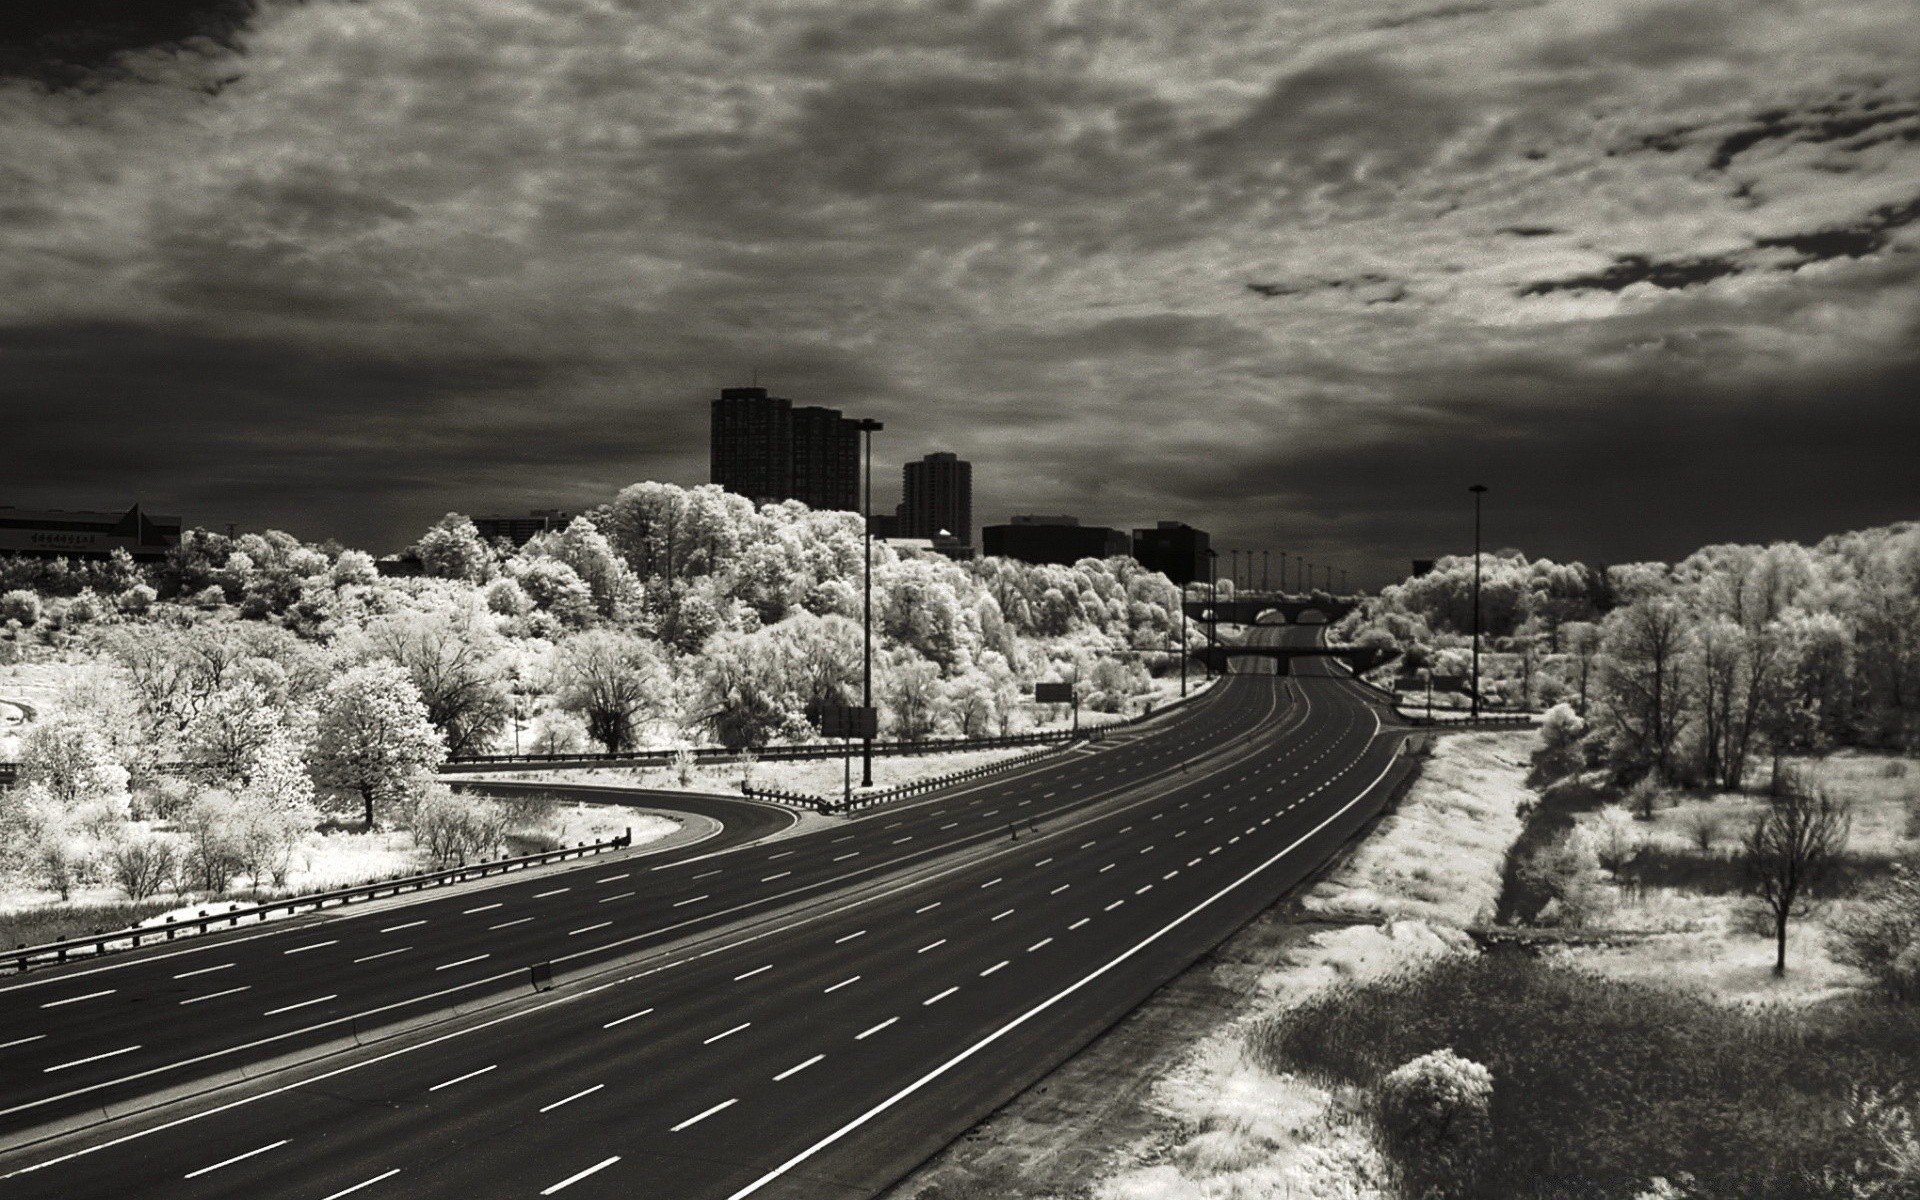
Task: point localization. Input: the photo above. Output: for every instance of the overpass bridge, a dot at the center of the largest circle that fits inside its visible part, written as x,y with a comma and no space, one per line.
1287,645
1247,608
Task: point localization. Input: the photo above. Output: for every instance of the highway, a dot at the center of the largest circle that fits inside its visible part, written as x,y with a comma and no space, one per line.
865,991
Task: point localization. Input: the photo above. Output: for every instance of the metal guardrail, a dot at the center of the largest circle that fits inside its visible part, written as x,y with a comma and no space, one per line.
26,957
1497,720
720,754
826,805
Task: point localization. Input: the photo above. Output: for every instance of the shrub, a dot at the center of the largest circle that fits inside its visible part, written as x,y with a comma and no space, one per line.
140,864
1434,1113
449,828
1880,934
1704,827
22,606
1616,841
1567,875
1560,753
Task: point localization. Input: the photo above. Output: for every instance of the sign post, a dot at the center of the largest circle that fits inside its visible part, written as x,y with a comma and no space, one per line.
1059,693
849,721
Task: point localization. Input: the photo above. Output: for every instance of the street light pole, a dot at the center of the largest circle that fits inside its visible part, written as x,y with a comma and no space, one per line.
868,427
1213,607
1183,641
1478,491
1265,562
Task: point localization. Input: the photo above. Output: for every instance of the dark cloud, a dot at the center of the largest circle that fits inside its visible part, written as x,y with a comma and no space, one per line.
63,43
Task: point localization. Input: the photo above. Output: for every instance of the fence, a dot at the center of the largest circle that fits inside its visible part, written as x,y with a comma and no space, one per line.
26,957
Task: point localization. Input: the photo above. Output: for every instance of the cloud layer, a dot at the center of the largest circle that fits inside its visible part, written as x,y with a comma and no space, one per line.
1295,272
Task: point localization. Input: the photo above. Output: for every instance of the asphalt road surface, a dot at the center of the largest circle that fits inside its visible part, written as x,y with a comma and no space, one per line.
819,1051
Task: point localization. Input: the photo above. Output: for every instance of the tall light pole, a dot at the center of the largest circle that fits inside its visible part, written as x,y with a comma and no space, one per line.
1183,641
869,427
1265,562
1213,607
1478,490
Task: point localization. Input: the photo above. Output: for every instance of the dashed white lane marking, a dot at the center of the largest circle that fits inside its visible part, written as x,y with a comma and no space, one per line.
461,962
1114,905
1078,924
553,892
483,908
1148,850
706,874
689,900
570,1099
21,1041
938,997
203,971
614,879
216,995
1139,891
1007,913
1038,944
844,857
632,1016
898,840
506,924
931,946
843,983
989,883
782,854
589,928
387,953
1171,874
615,896
947,826
796,1068
364,1183
926,908
728,1033
776,875
1063,887
398,928
752,973
1105,869
1043,862
577,1176
864,1034
274,1012
78,999
849,937
227,1162
463,1078
995,967
698,1117
80,1062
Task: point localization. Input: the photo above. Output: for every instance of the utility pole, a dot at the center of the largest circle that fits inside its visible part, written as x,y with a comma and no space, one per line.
1478,491
868,427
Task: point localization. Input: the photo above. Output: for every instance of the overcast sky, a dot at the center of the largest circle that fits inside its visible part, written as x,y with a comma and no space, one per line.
1291,270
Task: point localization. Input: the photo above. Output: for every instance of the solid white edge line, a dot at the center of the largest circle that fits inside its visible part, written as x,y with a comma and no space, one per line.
980,1045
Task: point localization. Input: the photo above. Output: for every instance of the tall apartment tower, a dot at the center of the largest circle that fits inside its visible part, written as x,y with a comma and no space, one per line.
826,459
937,494
752,447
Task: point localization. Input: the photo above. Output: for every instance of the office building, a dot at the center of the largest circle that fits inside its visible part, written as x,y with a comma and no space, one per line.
826,459
520,530
936,498
1041,539
65,533
1173,548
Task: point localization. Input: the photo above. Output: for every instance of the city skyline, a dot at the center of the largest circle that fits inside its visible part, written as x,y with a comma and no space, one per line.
1644,269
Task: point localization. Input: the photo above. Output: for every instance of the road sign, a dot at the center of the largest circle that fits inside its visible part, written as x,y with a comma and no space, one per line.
1053,693
850,721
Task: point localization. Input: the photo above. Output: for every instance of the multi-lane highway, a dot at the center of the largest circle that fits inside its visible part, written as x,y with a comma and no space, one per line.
808,1016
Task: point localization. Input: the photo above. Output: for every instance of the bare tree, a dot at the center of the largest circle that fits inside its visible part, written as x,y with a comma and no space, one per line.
1790,847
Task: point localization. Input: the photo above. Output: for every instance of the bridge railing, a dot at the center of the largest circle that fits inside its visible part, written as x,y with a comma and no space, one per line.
25,957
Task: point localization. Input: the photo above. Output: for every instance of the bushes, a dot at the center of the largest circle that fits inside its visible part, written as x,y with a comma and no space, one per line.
1434,1116
1881,934
448,829
1603,1085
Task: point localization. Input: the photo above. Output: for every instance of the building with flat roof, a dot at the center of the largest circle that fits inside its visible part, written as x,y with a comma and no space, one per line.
68,533
752,444
826,459
1173,548
520,530
765,448
1044,539
936,498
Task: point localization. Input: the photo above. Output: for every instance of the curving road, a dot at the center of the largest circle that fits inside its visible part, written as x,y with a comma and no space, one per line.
810,1017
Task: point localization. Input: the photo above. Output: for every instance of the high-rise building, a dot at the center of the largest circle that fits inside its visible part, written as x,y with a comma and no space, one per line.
766,449
1063,540
826,459
752,446
1173,548
936,498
